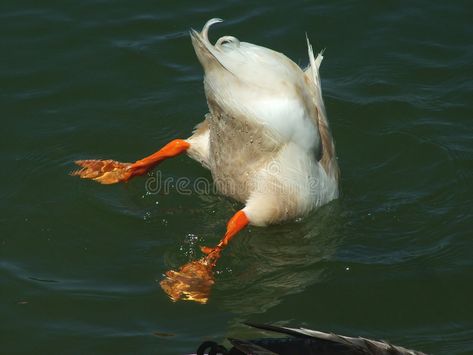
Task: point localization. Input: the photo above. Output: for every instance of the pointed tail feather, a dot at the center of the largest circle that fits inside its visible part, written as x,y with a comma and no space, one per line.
328,157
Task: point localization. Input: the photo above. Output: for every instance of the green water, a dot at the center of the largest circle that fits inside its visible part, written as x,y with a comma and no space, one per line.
80,263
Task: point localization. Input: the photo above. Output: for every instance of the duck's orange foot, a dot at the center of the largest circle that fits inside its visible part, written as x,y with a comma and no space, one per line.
193,282
106,171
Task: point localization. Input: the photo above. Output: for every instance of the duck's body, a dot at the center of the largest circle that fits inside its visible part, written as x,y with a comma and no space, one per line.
265,139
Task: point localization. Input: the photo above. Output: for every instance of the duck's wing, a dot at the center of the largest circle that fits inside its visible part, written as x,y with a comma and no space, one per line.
328,156
329,343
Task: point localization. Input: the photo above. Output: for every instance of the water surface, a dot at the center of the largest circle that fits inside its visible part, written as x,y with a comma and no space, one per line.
80,262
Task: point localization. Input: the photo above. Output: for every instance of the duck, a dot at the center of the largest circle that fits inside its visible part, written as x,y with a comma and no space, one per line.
303,341
266,141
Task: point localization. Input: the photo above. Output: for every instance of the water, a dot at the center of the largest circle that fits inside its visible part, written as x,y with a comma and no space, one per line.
80,262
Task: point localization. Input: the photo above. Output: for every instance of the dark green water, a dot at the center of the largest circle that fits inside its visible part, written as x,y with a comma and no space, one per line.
79,262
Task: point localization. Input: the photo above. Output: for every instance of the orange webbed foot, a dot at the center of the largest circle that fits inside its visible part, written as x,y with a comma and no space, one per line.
111,171
105,171
192,282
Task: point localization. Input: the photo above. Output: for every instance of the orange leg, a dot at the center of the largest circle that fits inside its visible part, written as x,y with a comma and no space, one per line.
194,280
235,224
111,171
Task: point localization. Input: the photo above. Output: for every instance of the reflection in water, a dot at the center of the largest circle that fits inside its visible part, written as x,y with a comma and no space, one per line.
279,261
268,265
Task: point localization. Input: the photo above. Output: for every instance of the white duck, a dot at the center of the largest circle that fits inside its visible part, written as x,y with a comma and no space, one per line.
266,139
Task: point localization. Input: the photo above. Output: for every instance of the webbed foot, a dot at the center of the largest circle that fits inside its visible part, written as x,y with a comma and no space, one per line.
107,171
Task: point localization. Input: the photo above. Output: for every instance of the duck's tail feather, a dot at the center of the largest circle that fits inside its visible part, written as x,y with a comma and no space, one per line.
312,71
328,157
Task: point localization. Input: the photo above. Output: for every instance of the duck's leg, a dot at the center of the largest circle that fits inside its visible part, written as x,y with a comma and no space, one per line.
111,171
239,221
194,280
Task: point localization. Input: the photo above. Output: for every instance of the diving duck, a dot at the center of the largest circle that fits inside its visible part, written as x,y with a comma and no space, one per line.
304,342
266,141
